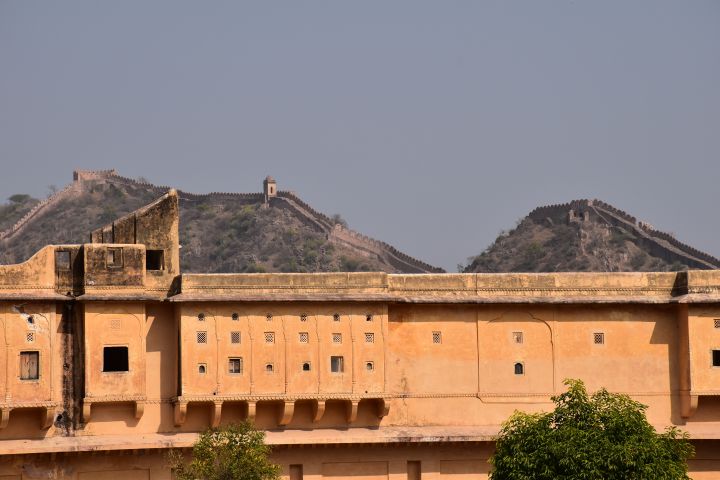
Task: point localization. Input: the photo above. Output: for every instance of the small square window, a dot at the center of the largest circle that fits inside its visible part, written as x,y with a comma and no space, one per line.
336,317
201,337
115,359
202,368
304,337
234,337
303,317
235,366
337,337
337,364
114,258
235,317
369,366
716,358
517,337
369,338
31,320
369,317
269,368
201,317
716,322
29,365
269,317
269,337
437,337
154,259
62,260
599,338
306,366
519,369
30,337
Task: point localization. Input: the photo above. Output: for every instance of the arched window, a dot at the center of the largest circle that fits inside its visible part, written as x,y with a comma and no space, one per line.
519,369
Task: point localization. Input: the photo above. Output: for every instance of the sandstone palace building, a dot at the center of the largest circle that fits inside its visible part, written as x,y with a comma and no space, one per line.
110,356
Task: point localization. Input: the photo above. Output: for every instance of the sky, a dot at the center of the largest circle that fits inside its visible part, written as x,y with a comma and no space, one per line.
429,125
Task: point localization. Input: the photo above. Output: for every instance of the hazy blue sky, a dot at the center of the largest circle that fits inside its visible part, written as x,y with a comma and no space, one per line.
430,125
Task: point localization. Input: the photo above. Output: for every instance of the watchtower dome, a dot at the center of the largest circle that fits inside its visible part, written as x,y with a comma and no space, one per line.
269,188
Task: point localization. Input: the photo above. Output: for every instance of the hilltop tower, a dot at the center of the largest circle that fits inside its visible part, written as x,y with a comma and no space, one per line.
269,188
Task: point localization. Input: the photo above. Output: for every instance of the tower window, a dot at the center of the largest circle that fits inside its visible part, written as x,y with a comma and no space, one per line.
201,337
30,337
336,317
201,317
269,337
29,365
716,322
519,369
154,259
303,317
306,367
517,337
337,337
336,364
268,317
369,366
234,337
716,358
437,337
369,338
235,317
599,338
202,368
115,359
269,368
235,366
303,337
369,317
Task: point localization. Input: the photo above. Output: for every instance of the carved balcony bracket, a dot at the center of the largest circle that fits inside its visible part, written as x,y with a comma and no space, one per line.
352,410
688,404
86,410
318,407
215,414
180,411
4,417
287,409
383,408
252,411
47,418
139,409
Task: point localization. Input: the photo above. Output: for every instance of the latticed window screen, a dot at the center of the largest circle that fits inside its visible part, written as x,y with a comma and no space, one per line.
116,324
336,317
369,338
235,365
717,323
599,338
235,317
201,317
437,337
269,337
369,317
517,337
268,317
303,317
234,337
201,337
337,337
304,337
30,337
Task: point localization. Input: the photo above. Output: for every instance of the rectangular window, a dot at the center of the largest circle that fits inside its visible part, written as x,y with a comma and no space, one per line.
235,365
29,365
369,338
413,470
716,358
114,258
62,260
437,337
234,337
296,471
154,259
269,337
337,337
337,364
201,337
304,337
716,322
115,359
599,338
517,337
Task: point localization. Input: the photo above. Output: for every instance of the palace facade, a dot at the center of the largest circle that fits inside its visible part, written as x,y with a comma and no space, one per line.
110,356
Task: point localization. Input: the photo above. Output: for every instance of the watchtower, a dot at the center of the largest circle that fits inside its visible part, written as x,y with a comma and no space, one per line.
269,188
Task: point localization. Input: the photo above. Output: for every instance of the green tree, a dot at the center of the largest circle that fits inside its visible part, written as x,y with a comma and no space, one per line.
588,437
234,452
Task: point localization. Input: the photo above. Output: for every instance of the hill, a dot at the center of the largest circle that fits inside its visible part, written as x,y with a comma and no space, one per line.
587,235
219,232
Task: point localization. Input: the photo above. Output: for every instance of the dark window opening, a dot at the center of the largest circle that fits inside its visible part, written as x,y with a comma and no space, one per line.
115,359
519,369
306,367
62,260
114,258
414,470
29,365
296,472
336,364
154,260
716,358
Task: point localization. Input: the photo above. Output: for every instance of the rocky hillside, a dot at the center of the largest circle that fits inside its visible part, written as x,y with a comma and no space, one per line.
586,235
219,232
